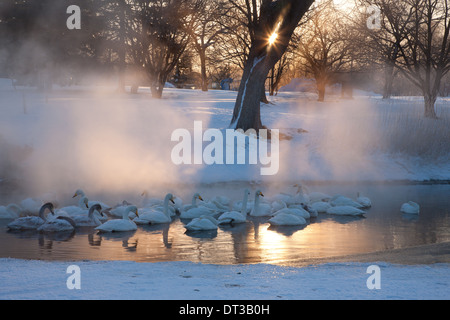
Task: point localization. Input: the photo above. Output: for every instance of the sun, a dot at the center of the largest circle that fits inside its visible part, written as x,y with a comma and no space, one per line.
273,37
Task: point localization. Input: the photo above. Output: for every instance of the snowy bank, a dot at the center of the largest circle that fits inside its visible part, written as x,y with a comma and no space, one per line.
31,279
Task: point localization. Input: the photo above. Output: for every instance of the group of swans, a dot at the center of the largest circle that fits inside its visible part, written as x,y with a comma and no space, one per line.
281,209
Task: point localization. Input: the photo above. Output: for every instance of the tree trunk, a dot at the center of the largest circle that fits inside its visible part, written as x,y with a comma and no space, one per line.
157,90
203,70
430,101
388,80
282,17
263,94
246,113
321,85
122,47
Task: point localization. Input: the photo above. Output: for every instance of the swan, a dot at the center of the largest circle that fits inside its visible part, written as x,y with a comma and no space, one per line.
223,200
236,216
83,206
306,207
60,223
81,193
11,211
260,209
321,206
214,205
410,207
202,223
89,220
298,197
345,211
31,206
196,211
286,219
156,216
278,205
318,196
193,203
124,224
299,212
119,210
364,201
32,222
340,200
175,205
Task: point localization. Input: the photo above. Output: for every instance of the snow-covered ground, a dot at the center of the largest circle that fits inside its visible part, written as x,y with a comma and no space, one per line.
94,139
22,279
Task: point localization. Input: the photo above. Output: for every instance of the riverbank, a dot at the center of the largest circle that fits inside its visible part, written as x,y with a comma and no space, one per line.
329,279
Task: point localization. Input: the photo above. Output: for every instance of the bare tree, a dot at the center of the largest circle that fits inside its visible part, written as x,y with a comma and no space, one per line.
425,52
324,45
158,39
268,18
204,31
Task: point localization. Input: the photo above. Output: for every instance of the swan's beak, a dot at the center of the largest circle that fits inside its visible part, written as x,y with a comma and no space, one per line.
171,200
137,214
261,194
200,198
74,195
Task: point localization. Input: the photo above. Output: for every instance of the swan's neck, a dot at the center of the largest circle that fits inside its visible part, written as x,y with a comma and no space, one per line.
244,204
81,202
166,206
194,201
256,207
91,213
42,213
125,214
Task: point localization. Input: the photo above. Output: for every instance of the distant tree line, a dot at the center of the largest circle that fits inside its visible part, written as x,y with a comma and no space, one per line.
201,42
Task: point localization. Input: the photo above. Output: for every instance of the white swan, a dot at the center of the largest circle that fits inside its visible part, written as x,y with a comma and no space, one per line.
340,200
118,225
31,206
202,223
299,212
410,207
82,207
151,216
312,212
320,206
260,209
196,211
278,205
318,196
345,211
236,216
364,201
90,219
175,205
59,224
81,193
31,222
193,203
299,197
286,219
11,211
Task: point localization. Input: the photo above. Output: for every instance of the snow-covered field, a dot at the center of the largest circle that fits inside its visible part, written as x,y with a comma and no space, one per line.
114,144
189,281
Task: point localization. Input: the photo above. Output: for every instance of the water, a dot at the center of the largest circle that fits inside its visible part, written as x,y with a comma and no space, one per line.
383,227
